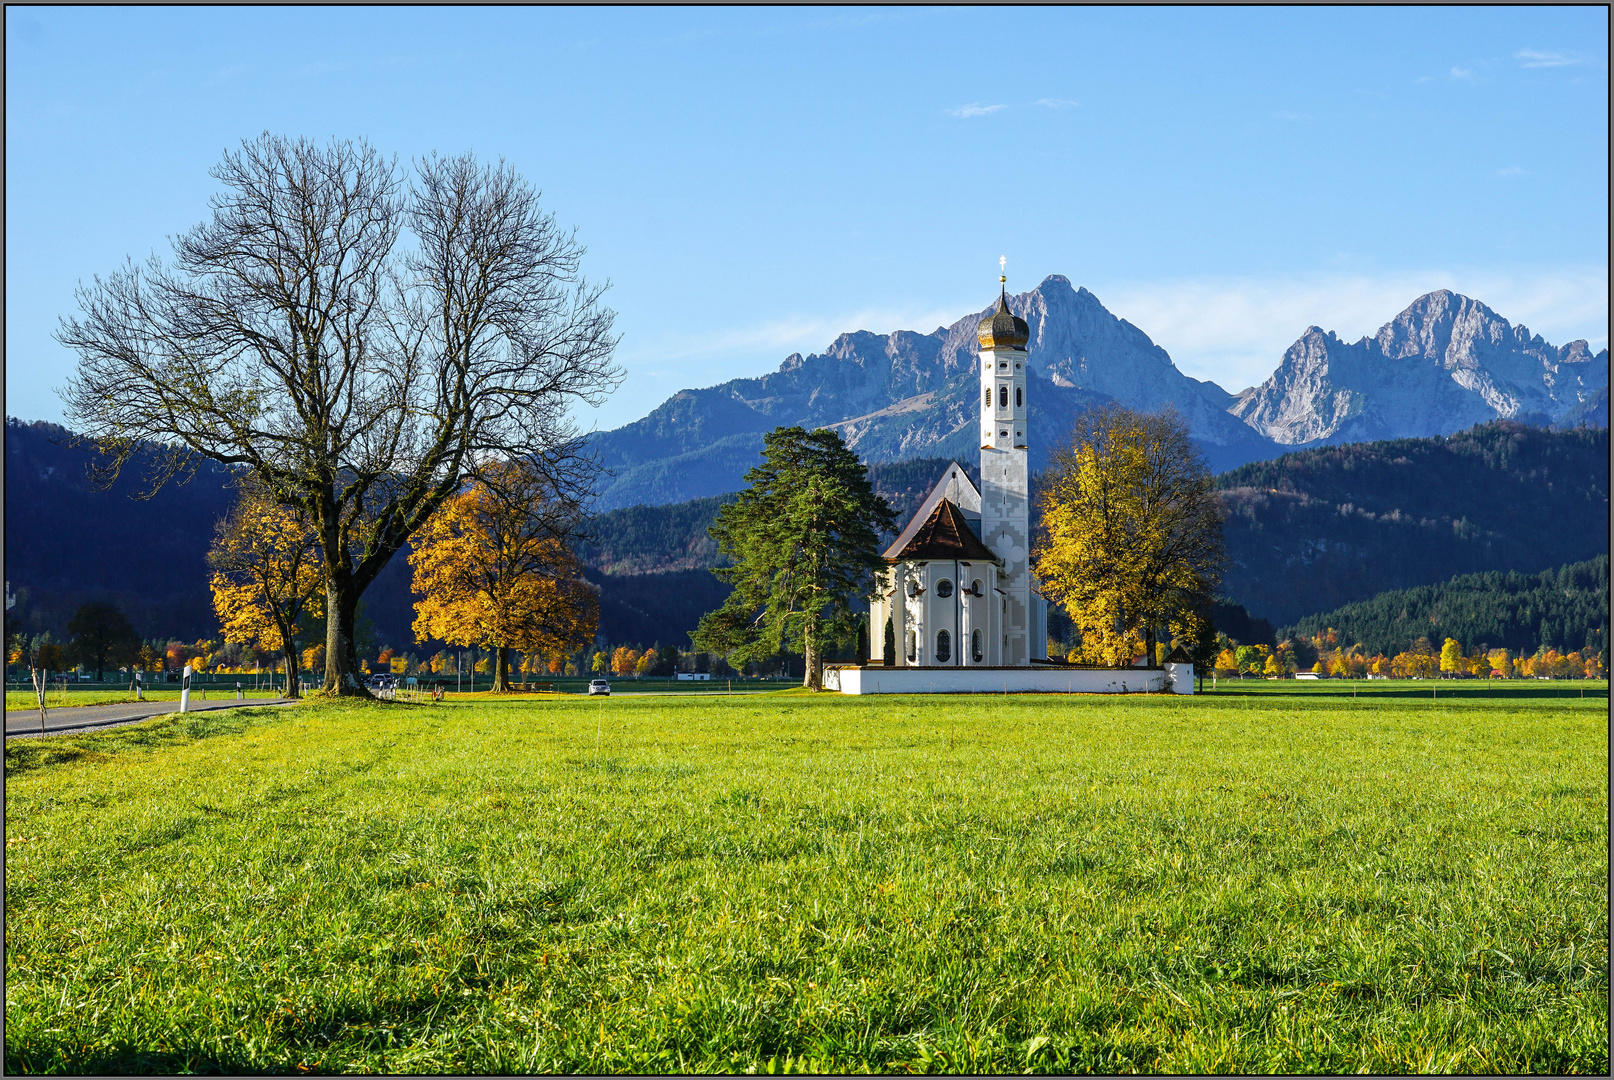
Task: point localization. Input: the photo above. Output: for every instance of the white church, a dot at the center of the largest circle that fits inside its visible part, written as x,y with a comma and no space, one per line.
959,610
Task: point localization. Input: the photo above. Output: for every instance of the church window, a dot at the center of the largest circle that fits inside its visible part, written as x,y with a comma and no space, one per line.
913,646
944,588
1003,397
988,395
944,646
975,587
975,647
1019,397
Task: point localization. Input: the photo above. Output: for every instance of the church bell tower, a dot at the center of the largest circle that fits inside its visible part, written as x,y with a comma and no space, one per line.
1005,478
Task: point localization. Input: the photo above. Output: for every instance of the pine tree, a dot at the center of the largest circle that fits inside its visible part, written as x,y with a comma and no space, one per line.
803,539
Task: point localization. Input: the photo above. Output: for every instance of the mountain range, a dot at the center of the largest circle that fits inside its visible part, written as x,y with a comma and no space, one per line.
1442,365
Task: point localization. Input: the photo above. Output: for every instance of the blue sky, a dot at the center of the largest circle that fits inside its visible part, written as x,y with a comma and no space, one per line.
753,182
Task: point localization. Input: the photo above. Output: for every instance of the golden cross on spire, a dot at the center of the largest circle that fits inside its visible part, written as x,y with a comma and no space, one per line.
1003,262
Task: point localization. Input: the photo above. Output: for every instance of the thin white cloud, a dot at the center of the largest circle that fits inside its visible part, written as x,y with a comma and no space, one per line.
1535,58
1461,73
1292,116
1511,170
964,112
1235,331
1056,103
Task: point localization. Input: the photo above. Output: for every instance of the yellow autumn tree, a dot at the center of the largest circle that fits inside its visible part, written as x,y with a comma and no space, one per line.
267,576
493,569
1451,656
1131,536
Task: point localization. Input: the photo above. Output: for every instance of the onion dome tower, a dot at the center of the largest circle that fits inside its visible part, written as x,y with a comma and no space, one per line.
1005,477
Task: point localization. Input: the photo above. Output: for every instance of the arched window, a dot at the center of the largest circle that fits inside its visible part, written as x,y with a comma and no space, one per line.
1003,397
944,588
975,647
975,587
988,397
1019,397
944,646
913,646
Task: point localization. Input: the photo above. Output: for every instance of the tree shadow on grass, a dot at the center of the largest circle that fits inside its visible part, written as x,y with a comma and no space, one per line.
299,1044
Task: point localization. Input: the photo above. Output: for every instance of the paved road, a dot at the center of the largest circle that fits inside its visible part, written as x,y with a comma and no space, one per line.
25,722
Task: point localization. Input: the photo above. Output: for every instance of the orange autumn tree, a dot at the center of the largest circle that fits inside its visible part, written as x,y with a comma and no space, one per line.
493,570
267,576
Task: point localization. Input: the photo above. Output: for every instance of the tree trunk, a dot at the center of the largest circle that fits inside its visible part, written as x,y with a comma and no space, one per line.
291,657
341,659
501,670
293,669
812,677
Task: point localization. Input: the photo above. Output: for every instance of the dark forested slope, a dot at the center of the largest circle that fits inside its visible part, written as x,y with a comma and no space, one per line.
1566,608
652,539
68,542
1311,531
1306,533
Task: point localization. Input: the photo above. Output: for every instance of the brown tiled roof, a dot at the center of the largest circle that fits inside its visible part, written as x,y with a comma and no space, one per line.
944,535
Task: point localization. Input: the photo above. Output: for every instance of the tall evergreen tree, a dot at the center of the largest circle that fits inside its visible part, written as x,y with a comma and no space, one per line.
804,539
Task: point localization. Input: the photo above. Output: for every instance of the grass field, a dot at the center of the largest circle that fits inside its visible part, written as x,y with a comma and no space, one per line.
23,700
1269,878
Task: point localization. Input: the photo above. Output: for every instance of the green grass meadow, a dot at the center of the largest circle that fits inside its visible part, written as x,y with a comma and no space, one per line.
1264,879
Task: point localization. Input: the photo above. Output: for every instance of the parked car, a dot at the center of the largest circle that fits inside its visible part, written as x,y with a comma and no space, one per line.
381,682
599,686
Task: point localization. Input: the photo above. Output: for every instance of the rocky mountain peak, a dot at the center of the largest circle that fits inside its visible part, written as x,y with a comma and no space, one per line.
1444,363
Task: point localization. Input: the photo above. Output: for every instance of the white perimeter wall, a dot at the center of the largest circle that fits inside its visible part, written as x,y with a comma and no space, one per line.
1178,678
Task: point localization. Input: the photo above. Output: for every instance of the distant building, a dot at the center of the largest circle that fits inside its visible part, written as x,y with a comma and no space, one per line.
958,611
960,591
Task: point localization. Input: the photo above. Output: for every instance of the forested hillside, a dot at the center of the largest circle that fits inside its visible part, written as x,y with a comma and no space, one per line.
1314,530
652,539
1308,532
1566,608
67,542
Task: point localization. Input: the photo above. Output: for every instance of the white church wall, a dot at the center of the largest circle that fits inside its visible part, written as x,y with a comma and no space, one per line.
1013,680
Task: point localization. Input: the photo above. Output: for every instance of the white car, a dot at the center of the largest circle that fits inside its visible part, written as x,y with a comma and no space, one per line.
599,686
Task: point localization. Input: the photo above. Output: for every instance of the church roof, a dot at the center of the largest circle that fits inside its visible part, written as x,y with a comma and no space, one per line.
943,535
1003,329
955,486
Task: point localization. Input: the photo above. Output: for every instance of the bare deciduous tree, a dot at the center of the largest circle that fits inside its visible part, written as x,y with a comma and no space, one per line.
362,345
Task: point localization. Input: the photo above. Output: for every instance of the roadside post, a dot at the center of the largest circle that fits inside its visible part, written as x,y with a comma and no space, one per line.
185,690
238,689
140,686
41,678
